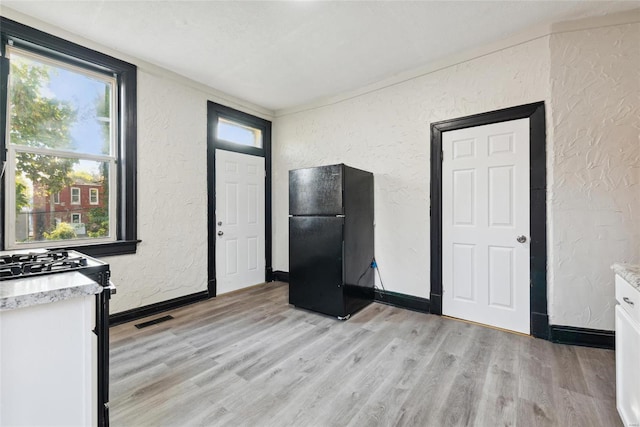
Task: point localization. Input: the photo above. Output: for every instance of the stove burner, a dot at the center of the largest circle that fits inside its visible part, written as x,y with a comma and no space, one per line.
21,265
34,257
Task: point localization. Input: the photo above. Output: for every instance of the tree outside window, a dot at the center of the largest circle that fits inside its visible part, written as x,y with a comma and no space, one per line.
70,121
61,141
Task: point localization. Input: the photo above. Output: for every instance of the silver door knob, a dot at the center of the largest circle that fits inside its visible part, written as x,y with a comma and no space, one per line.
521,239
220,233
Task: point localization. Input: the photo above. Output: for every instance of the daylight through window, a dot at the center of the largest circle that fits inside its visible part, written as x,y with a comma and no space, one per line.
61,151
237,133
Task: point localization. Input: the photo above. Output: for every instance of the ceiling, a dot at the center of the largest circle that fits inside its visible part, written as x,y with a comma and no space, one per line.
284,54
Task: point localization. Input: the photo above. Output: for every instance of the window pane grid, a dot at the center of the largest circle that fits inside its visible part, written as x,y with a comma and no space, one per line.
61,153
41,57
92,96
61,149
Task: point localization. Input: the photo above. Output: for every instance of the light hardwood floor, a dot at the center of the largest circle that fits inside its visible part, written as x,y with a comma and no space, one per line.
250,359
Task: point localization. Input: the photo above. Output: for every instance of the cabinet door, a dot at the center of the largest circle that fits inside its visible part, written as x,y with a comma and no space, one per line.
627,368
47,374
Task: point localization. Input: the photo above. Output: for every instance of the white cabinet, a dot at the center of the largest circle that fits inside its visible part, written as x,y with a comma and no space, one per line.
48,373
628,352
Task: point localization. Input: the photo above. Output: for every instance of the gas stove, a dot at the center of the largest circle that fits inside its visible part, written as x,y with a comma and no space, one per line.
29,265
21,264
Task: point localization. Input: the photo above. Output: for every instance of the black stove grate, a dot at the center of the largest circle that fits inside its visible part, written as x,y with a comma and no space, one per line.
27,264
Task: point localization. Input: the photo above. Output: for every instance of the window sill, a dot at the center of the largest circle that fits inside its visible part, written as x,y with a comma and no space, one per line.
121,247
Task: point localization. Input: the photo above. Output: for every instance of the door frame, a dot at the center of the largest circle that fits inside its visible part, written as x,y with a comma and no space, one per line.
535,112
214,111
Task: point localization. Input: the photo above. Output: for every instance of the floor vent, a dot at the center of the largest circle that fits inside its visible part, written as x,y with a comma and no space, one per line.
153,322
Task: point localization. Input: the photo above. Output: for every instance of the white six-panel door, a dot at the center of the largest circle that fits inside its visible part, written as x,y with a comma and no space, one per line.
485,212
240,221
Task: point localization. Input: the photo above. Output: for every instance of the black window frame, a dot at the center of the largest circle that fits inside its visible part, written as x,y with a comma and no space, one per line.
45,44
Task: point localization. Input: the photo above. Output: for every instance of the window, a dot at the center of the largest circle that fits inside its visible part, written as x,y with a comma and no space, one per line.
93,196
237,133
75,196
70,123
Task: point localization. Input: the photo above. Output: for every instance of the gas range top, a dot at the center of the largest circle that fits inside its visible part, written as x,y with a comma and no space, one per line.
21,264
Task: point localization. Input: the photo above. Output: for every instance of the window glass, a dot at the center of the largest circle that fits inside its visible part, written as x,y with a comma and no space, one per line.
40,219
238,134
93,196
75,196
57,108
69,141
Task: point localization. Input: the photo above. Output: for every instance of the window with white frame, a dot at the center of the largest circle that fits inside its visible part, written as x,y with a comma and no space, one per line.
93,196
70,123
61,119
75,196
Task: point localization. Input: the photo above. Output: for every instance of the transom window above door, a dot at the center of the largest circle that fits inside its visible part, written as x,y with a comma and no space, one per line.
236,133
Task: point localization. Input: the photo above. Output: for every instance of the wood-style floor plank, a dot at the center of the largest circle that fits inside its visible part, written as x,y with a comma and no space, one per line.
250,359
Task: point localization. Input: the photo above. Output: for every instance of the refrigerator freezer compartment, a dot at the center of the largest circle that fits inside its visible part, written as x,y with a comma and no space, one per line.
316,191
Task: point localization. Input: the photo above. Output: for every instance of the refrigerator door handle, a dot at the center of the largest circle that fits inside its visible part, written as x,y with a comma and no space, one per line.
344,277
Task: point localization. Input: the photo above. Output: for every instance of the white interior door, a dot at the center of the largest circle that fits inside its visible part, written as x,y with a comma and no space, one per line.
485,224
240,221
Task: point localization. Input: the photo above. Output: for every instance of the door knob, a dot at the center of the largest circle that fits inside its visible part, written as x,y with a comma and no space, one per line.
521,239
219,222
220,233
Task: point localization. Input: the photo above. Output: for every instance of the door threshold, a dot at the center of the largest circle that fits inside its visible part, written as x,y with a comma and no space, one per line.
241,290
487,326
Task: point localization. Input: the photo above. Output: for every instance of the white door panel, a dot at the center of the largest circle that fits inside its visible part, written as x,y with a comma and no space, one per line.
485,187
240,221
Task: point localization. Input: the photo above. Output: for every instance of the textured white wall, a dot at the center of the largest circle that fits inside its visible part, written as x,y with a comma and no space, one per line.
172,181
388,133
595,157
590,82
172,197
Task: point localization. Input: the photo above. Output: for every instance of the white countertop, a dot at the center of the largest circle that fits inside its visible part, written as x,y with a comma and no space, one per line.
48,288
629,272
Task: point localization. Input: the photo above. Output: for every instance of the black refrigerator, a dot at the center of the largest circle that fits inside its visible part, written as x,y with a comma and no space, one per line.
331,245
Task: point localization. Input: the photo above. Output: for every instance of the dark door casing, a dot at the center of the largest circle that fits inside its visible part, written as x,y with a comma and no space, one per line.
538,206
